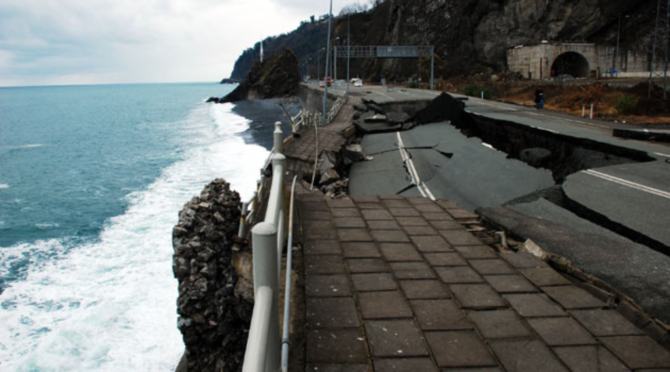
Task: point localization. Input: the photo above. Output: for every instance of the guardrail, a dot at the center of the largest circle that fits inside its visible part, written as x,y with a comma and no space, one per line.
267,243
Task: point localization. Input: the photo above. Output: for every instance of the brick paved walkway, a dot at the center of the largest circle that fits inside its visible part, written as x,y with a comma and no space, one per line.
394,284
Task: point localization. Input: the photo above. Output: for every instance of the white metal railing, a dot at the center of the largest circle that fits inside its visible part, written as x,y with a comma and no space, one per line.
267,243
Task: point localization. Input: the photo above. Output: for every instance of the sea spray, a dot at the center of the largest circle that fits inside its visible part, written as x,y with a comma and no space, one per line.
109,304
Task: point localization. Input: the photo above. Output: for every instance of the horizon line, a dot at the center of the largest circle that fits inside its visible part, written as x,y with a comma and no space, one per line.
105,84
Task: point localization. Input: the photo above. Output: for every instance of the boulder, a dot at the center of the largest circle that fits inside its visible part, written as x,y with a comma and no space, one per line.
214,315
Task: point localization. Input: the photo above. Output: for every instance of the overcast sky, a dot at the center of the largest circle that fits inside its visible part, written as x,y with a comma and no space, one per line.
113,41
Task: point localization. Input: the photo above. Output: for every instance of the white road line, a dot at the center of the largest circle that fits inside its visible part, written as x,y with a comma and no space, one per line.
627,183
416,180
662,154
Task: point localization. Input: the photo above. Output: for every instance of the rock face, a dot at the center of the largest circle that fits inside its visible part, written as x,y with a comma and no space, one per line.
213,318
277,76
469,35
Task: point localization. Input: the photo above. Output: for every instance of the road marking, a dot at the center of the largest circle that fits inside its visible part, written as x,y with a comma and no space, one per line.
627,183
662,154
414,175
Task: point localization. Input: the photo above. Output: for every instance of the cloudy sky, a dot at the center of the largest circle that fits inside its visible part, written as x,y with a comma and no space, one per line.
112,41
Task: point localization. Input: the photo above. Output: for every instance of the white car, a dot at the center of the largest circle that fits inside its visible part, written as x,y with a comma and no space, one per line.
357,82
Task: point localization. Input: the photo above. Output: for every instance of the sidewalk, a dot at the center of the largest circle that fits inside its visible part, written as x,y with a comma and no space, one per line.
396,284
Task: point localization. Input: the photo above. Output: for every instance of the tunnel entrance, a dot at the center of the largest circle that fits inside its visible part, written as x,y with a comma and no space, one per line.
570,63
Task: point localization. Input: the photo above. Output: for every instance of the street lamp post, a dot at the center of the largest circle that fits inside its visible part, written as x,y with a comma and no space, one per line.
348,47
325,85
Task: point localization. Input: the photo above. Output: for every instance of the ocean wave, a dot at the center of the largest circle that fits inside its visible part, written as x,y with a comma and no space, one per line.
4,186
119,290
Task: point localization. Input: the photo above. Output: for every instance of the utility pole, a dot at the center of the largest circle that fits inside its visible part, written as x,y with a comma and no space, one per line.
325,85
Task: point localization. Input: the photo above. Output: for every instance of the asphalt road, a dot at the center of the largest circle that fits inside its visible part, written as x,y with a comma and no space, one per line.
438,161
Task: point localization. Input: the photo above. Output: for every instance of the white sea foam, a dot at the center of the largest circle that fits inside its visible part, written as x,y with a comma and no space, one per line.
3,186
110,305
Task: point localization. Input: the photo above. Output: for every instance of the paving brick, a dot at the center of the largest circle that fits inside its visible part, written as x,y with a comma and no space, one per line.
327,286
345,212
561,331
369,205
638,351
485,369
424,289
439,315
477,296
340,203
475,251
338,368
571,297
360,250
534,305
458,274
447,204
460,237
383,305
412,270
412,221
605,322
365,199
459,349
389,338
336,346
429,208
526,356
544,276
331,312
400,252
510,283
589,358
349,222
459,213
376,214
405,365
419,200
383,225
367,265
319,230
353,235
314,205
322,247
446,225
499,324
374,282
316,215
445,259
491,266
389,236
420,230
324,264
523,260
396,203
431,243
404,212
437,216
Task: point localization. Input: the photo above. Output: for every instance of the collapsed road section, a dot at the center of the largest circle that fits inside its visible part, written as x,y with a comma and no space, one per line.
598,203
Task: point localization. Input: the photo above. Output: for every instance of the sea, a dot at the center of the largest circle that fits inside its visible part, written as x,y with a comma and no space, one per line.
91,181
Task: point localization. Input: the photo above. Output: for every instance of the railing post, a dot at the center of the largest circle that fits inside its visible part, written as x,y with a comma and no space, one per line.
266,274
278,168
278,138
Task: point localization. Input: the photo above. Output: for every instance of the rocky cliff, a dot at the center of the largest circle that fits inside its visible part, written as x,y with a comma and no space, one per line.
469,35
277,76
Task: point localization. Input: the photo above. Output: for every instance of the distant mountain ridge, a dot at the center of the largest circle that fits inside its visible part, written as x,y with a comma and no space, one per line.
469,35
